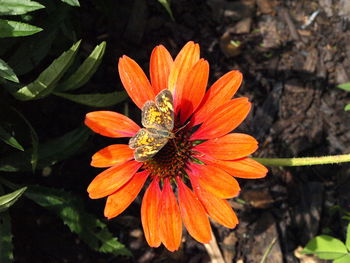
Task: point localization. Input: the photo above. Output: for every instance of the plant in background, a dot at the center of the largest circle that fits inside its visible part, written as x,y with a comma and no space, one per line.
185,142
330,248
23,151
346,87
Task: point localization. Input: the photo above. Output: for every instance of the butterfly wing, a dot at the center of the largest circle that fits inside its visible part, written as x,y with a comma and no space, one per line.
159,115
146,144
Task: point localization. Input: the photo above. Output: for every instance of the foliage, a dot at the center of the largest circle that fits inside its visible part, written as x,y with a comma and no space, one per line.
34,41
346,87
70,209
327,247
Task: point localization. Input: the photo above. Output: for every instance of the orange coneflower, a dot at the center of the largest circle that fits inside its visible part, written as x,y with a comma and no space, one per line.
185,147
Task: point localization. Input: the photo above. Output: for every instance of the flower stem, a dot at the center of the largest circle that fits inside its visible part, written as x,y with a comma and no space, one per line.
304,160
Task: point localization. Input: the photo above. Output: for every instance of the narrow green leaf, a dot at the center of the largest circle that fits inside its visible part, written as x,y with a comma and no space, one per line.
96,99
325,247
71,210
18,7
347,242
33,153
6,247
9,139
344,259
86,70
48,79
72,2
347,107
6,72
345,86
166,5
16,29
8,200
49,153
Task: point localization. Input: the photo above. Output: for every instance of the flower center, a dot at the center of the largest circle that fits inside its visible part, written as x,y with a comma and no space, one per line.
172,159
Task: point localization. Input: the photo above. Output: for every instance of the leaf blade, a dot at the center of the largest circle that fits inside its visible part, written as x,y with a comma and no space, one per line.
71,2
10,28
344,86
86,69
70,209
9,199
325,247
49,153
6,72
48,79
6,246
9,139
18,7
95,99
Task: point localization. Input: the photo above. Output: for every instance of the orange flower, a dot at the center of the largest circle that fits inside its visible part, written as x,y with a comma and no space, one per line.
201,159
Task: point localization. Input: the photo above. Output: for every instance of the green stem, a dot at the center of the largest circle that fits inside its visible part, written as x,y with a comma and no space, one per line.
304,160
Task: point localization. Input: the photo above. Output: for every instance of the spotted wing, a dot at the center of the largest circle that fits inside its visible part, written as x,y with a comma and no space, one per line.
165,103
146,144
159,115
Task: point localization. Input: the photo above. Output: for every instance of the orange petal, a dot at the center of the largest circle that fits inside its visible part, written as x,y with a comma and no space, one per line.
112,179
214,180
121,199
193,214
160,65
170,225
219,93
229,147
111,155
149,214
223,120
181,68
243,168
218,209
190,94
111,124
135,81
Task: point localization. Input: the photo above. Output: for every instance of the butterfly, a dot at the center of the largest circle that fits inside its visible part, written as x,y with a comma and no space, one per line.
158,122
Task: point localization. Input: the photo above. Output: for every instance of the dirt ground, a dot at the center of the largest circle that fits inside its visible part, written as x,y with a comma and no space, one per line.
292,55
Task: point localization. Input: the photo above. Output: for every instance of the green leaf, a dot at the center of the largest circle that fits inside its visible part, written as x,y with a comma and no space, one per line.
96,99
18,7
71,210
166,5
9,139
48,79
6,247
6,72
325,247
71,2
33,153
86,70
8,200
16,29
345,86
344,259
49,153
347,242
347,107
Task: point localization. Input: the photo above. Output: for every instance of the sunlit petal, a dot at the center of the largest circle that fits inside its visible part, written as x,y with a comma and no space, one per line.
223,119
170,225
219,93
123,197
160,65
135,81
111,124
150,212
112,179
111,155
229,147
